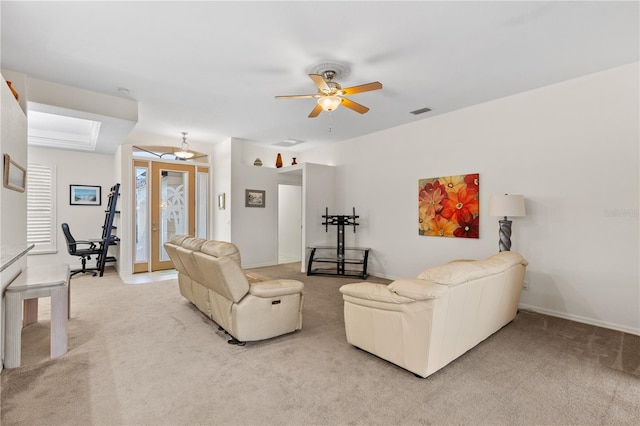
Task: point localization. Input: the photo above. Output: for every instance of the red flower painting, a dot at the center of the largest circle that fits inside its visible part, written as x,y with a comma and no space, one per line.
449,206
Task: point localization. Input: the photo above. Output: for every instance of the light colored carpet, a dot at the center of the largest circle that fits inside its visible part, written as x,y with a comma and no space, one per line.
141,354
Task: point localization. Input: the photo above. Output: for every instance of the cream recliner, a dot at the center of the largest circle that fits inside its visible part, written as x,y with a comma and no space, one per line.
423,324
211,277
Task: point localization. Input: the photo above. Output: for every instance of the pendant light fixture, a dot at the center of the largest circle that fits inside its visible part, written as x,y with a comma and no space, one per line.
184,152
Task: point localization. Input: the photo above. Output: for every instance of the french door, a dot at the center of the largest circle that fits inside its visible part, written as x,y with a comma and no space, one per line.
173,209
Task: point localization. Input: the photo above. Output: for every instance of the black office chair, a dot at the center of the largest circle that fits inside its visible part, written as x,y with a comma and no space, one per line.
85,253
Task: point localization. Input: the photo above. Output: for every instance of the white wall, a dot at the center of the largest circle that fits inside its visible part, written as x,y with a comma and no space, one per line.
13,204
13,132
221,173
254,229
289,223
570,148
85,222
319,193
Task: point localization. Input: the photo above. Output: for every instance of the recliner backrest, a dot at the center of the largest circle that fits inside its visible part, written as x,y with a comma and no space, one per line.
222,249
184,251
222,274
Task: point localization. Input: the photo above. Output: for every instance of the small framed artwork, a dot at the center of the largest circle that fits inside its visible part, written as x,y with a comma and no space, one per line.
254,198
85,195
15,176
221,201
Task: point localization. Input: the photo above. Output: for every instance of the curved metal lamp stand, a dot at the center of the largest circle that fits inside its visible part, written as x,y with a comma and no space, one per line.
505,235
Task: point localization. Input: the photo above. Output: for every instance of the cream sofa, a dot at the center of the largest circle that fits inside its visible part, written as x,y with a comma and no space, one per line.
211,277
423,324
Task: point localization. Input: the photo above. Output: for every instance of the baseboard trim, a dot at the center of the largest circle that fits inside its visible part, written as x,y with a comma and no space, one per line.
259,265
578,318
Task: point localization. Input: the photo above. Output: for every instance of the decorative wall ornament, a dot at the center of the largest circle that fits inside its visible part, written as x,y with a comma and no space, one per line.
449,206
15,93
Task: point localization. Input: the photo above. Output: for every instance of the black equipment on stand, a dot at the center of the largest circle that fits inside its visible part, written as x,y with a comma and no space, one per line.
108,239
339,255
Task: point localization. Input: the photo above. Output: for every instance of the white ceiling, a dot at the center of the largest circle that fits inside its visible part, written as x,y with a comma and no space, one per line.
213,68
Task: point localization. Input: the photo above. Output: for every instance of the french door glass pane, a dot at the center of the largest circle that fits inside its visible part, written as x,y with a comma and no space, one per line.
202,205
173,207
142,212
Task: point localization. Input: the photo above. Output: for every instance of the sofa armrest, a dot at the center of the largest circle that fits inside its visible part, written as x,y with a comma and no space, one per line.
275,288
418,289
373,291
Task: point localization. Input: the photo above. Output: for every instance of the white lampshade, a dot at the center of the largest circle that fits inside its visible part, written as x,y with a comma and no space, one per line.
183,154
506,205
329,103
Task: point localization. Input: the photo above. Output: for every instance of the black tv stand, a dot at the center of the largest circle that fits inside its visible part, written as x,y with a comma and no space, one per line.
339,260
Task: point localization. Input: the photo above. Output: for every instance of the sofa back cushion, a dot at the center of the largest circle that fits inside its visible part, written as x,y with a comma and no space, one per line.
191,243
222,249
177,239
458,272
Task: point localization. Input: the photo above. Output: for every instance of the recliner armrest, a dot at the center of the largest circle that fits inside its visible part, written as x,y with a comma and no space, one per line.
274,288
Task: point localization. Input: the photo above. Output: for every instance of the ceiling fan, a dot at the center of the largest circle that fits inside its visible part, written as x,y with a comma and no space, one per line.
331,95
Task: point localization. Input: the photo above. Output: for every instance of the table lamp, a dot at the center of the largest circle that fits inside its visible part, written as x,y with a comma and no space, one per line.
506,205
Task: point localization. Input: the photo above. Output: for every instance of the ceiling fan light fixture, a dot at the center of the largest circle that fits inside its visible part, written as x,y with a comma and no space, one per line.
329,103
184,152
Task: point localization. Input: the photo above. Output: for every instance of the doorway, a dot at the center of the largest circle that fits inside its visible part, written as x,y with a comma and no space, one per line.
289,223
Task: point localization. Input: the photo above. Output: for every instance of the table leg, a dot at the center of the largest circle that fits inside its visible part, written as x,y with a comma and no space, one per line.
13,330
30,313
59,314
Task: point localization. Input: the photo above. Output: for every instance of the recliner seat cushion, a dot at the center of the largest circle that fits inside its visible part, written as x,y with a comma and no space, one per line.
275,288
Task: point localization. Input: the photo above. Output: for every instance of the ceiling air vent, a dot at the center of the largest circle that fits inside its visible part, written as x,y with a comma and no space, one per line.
420,111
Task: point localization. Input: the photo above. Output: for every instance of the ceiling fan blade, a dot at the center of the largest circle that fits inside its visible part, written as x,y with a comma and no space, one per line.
354,106
376,85
315,112
297,96
319,81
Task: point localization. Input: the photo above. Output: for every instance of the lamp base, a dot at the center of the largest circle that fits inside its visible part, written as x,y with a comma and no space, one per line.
505,235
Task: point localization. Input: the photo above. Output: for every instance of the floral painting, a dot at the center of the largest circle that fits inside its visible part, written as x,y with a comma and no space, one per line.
449,206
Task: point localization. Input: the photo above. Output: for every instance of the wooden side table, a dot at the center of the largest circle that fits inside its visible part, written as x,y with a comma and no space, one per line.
34,282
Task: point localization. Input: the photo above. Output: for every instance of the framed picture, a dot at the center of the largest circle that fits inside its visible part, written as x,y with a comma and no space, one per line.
449,206
85,195
254,198
15,176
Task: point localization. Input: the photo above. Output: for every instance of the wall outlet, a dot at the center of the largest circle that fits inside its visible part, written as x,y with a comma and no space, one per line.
525,284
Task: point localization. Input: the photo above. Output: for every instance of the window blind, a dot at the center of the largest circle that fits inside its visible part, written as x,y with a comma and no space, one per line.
41,217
